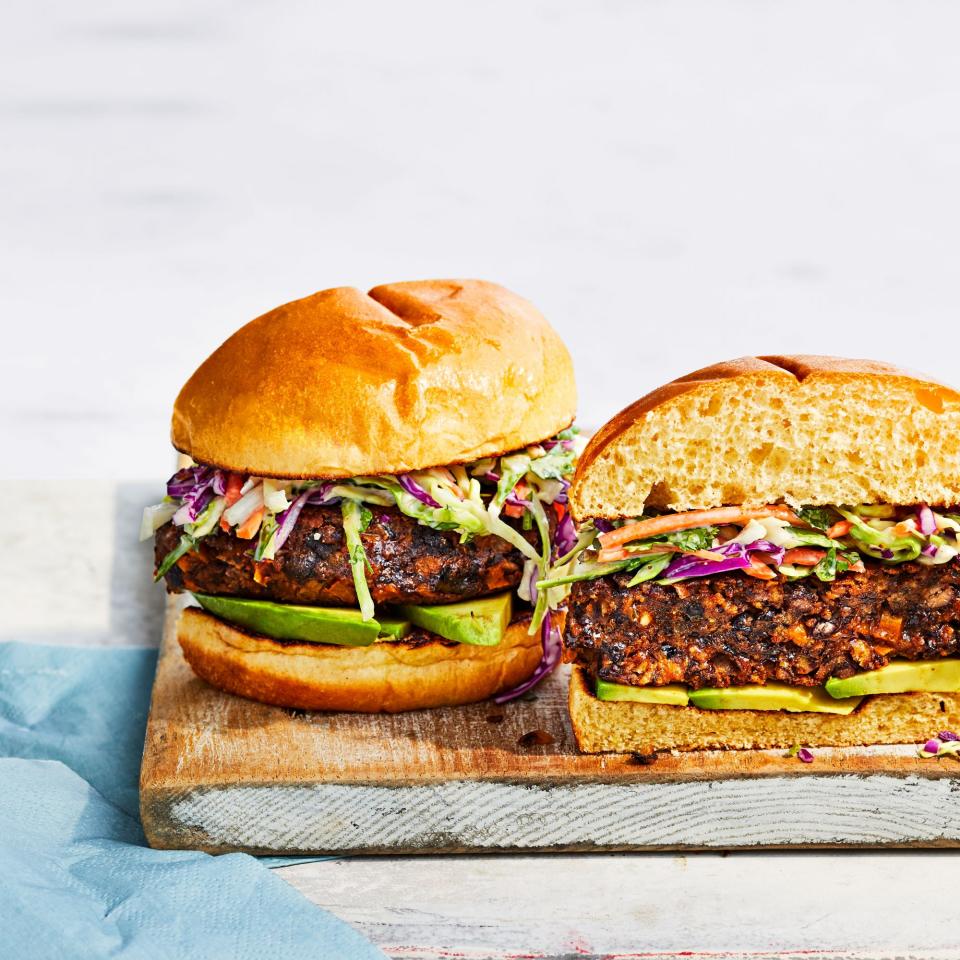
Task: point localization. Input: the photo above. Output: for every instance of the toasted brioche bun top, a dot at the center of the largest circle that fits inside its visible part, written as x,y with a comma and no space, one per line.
407,376
799,429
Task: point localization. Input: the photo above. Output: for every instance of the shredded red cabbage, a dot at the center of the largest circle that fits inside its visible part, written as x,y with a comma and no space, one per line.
736,557
929,550
320,495
562,496
532,579
565,537
182,482
196,496
552,648
287,520
185,481
765,546
684,567
926,521
415,490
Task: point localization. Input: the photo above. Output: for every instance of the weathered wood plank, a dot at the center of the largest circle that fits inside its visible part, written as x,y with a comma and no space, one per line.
761,906
221,773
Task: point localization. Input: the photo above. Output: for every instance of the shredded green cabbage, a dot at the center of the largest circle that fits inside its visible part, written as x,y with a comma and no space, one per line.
356,519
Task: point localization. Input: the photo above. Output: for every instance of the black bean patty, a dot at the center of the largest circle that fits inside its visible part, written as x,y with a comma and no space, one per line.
731,630
410,563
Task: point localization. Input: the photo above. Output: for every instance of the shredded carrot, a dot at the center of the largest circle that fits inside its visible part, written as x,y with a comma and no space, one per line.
251,525
760,570
840,529
705,554
231,495
452,480
612,554
559,509
513,510
671,522
621,553
804,556
904,528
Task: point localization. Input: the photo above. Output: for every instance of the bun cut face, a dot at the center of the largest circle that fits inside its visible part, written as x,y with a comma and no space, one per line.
796,429
408,376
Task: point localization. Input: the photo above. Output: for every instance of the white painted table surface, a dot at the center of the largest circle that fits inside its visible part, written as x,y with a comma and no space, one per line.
670,182
81,577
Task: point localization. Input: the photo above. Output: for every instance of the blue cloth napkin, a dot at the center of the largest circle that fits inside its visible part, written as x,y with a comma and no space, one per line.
76,878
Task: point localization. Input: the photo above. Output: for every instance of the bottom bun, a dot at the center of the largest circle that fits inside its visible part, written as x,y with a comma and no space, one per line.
603,726
385,677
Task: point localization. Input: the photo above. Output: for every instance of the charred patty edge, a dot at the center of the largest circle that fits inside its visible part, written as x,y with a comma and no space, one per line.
410,563
729,630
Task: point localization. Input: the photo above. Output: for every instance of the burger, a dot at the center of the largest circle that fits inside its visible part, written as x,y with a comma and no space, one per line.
768,558
373,484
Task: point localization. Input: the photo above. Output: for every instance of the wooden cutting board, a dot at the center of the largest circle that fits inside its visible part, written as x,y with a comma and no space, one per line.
221,774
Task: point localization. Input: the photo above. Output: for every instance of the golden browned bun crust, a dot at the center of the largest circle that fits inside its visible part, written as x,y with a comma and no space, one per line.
603,726
805,430
381,678
408,376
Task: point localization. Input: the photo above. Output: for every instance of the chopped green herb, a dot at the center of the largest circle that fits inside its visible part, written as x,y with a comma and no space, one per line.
186,544
820,517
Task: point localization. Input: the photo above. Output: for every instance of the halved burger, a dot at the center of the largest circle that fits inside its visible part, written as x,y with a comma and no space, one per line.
375,484
768,558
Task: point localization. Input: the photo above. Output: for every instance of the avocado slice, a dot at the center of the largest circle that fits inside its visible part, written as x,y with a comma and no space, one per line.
772,696
901,676
481,622
674,694
392,628
286,621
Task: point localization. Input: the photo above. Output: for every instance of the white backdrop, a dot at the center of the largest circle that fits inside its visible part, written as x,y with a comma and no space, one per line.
672,183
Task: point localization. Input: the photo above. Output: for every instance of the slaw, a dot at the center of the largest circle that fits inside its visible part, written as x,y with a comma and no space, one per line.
768,542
